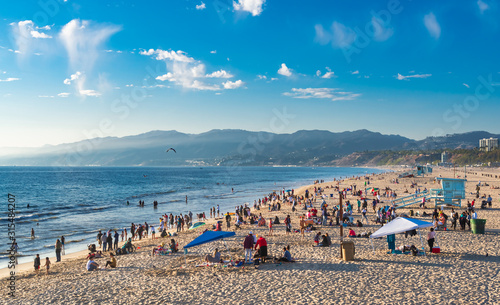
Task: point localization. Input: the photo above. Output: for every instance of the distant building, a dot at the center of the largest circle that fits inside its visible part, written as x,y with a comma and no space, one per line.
445,157
488,144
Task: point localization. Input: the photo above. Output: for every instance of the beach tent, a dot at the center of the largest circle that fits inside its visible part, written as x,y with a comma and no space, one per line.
400,225
208,237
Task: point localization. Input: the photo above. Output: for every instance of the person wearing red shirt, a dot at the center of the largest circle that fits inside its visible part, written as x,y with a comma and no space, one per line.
262,245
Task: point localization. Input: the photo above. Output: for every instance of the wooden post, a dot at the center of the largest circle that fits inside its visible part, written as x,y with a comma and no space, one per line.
341,221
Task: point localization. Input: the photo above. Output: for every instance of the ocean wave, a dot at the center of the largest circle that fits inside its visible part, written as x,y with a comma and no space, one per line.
153,194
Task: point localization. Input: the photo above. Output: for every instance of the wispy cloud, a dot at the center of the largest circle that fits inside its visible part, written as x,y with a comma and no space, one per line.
10,79
73,77
380,31
407,77
255,7
355,72
201,6
466,85
213,52
78,79
82,38
26,34
432,25
284,70
483,6
64,94
334,94
340,36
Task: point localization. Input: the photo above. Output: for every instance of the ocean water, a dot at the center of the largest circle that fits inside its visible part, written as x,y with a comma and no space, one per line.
78,201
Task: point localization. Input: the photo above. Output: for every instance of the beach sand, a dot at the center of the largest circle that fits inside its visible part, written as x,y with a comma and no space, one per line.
460,274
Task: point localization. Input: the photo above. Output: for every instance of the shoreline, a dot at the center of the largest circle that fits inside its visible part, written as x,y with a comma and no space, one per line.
141,275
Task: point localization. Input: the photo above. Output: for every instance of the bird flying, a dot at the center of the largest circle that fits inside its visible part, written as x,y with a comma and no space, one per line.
171,149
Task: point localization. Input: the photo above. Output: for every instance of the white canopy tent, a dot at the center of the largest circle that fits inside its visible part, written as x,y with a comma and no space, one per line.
400,225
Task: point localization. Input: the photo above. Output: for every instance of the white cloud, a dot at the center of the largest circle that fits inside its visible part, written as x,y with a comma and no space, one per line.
355,72
26,37
407,77
219,74
284,70
170,55
82,39
328,74
483,6
432,25
73,77
64,94
381,32
10,79
187,72
88,92
466,85
46,96
201,6
213,52
36,34
333,94
252,6
274,78
233,85
262,76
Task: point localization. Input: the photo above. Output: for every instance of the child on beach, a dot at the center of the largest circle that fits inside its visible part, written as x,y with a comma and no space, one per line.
37,264
270,226
47,265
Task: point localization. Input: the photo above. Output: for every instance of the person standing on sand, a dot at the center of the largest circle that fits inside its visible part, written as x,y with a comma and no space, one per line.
228,220
37,264
247,246
99,236
217,211
270,226
430,238
117,237
58,247
302,226
47,265
109,240
104,239
63,240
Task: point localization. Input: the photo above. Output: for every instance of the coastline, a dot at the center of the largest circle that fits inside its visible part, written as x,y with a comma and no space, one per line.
314,269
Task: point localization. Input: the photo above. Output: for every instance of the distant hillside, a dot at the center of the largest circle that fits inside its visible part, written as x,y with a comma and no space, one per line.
240,147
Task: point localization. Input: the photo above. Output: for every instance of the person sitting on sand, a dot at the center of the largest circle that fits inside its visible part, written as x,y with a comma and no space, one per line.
287,257
215,258
112,261
316,238
324,242
173,246
352,233
91,265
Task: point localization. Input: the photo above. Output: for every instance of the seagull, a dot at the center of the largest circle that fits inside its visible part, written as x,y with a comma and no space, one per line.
171,149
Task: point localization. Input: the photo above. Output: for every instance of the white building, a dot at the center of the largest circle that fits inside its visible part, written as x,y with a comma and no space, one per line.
445,157
488,144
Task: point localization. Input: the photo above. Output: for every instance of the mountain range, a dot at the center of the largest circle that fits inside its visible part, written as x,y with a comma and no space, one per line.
227,147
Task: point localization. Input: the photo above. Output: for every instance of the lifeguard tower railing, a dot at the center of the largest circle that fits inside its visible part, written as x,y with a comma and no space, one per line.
409,199
447,197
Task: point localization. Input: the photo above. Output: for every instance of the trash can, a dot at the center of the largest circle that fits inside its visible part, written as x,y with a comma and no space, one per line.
477,226
347,250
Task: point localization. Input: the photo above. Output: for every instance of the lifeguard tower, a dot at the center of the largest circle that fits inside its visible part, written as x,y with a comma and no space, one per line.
452,192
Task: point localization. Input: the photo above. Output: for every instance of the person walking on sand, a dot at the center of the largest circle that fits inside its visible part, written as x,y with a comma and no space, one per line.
58,247
47,265
302,224
247,246
37,264
363,216
152,232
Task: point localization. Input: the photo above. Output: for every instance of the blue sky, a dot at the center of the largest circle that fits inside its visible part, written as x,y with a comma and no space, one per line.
72,70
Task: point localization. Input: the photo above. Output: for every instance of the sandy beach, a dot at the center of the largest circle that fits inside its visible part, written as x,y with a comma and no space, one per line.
465,272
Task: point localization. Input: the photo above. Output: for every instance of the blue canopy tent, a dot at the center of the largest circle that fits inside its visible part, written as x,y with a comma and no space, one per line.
208,237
